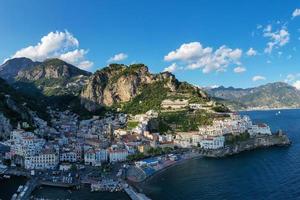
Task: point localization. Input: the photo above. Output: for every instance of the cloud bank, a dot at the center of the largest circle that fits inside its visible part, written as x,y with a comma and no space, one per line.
194,56
57,44
118,57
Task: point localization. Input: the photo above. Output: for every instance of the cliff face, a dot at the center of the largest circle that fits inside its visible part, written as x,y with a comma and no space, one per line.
113,84
120,83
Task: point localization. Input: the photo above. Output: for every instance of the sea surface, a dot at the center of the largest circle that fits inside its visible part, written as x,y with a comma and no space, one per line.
271,173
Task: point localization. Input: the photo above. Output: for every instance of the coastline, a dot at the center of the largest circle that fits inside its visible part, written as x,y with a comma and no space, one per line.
173,165
137,184
193,155
266,109
250,144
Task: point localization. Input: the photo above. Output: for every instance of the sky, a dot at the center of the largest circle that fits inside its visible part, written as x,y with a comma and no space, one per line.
205,42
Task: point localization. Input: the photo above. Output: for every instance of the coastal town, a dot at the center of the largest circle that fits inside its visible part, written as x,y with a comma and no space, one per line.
111,151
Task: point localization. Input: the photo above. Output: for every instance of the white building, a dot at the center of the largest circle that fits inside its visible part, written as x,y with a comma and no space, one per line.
117,155
260,129
212,142
101,155
25,143
187,139
234,125
90,157
68,157
45,160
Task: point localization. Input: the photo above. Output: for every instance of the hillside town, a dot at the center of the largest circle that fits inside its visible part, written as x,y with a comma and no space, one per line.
117,142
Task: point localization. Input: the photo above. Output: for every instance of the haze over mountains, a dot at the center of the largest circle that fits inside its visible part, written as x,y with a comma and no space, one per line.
271,95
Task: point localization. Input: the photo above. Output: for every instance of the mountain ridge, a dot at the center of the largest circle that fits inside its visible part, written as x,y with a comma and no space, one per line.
268,96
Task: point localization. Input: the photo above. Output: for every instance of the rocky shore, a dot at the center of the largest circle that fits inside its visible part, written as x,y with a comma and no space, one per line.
261,141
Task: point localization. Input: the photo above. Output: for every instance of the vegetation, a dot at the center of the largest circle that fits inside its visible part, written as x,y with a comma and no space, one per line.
137,156
127,71
159,151
180,121
220,108
150,97
234,139
132,124
17,107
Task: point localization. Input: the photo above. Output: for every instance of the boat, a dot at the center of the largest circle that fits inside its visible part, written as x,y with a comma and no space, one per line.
14,197
20,188
6,176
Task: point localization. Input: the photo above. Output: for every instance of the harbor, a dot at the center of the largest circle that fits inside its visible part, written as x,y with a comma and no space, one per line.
36,182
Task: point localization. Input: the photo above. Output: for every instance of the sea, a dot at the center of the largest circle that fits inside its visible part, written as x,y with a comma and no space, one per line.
270,173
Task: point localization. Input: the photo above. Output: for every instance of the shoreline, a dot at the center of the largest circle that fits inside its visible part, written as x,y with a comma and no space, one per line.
266,109
195,156
173,165
259,142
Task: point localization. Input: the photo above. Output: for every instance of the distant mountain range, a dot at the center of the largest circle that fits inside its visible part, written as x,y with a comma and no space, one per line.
269,96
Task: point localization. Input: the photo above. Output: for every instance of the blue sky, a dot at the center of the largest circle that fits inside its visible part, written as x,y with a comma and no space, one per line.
204,42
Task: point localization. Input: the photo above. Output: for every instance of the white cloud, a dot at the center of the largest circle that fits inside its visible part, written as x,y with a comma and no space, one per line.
296,13
291,77
258,78
296,84
76,57
117,58
239,69
276,38
57,44
259,26
173,67
251,52
195,56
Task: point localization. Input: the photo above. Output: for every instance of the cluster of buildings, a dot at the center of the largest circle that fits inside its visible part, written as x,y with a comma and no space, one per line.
98,140
213,136
72,140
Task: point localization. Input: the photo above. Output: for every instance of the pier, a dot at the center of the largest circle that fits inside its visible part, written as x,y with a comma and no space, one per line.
133,194
27,189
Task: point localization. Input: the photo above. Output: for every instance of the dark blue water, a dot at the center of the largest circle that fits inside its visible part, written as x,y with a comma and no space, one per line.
272,173
9,186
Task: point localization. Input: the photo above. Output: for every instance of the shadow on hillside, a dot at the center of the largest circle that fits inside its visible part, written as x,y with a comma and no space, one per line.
60,102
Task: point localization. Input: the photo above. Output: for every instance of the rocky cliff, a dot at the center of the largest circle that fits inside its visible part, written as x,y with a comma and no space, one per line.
119,83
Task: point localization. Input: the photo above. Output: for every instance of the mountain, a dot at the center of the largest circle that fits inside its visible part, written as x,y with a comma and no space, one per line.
10,68
134,87
271,95
50,69
131,89
53,77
